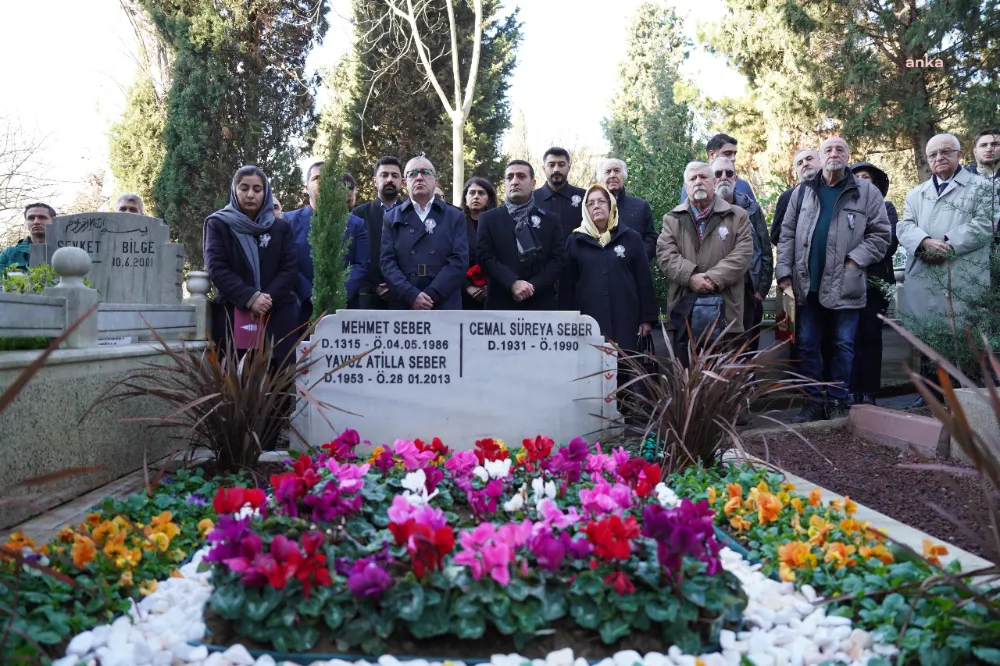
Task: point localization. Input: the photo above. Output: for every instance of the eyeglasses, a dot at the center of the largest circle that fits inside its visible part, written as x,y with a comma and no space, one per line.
419,172
941,153
594,203
729,173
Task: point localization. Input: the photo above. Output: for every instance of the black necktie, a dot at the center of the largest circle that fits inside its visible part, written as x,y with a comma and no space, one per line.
941,186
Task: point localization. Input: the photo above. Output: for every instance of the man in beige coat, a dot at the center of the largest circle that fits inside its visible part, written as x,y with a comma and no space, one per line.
705,246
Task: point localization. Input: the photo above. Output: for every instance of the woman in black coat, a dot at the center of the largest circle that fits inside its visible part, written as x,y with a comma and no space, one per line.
866,373
606,273
477,197
250,257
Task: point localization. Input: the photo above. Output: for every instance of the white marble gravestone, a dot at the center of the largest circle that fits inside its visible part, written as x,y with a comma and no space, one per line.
132,258
458,375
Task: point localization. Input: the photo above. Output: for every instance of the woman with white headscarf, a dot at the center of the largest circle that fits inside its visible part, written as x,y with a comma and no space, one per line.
607,276
250,257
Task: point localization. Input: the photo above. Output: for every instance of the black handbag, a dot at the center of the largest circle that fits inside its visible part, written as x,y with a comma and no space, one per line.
644,346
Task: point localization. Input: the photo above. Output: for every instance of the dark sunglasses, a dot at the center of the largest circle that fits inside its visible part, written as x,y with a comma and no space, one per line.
729,173
419,172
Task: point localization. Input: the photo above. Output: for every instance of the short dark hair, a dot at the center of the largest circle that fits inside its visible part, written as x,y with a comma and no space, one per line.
391,161
993,131
558,152
249,170
491,194
531,170
52,211
348,179
718,141
309,171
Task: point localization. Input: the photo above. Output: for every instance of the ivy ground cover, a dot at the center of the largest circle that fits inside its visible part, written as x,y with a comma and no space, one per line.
419,550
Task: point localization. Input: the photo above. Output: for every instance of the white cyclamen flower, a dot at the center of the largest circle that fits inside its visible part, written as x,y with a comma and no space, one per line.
666,496
542,489
515,503
415,487
481,472
498,469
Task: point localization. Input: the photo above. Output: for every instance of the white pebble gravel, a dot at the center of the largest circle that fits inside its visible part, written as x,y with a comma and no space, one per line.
782,628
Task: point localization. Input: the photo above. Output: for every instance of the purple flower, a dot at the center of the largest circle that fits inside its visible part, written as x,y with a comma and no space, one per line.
578,549
384,461
433,477
331,503
548,551
568,460
685,530
196,499
228,537
368,579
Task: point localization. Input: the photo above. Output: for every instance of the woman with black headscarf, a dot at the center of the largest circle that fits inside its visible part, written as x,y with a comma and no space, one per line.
477,198
866,374
250,257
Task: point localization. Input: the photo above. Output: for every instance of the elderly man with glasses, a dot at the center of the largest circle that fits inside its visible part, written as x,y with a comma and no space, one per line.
425,246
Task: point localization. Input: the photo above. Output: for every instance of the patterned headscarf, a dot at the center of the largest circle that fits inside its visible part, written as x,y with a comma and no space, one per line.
245,229
588,227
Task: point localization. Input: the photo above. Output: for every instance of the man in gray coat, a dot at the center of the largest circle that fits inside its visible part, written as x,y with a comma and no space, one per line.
835,226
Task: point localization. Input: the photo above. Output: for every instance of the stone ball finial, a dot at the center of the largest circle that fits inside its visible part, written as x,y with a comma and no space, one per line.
71,262
198,284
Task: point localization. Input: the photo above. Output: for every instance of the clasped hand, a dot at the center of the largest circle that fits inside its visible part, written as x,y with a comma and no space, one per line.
702,284
522,290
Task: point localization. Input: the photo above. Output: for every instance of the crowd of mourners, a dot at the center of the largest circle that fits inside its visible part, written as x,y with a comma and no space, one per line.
831,242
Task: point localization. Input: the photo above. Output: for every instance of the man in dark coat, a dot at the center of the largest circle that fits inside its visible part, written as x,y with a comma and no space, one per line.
388,178
557,195
355,238
866,375
18,257
520,247
723,145
633,212
425,247
806,163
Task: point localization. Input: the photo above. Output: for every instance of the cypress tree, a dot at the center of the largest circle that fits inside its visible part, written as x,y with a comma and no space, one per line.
326,231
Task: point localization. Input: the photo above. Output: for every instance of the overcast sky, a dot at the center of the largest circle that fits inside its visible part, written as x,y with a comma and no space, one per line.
67,64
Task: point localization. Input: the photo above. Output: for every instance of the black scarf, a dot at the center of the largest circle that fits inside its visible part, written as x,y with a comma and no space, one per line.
529,251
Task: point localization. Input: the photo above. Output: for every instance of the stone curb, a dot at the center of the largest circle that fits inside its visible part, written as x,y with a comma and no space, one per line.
901,430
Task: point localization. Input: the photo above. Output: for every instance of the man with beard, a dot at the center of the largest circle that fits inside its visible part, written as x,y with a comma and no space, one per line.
806,163
557,195
836,225
723,145
761,270
388,181
633,212
521,247
425,246
18,257
986,149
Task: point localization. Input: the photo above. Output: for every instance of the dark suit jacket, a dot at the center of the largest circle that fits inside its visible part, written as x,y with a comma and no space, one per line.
374,216
779,215
232,276
498,257
356,254
636,214
414,260
561,203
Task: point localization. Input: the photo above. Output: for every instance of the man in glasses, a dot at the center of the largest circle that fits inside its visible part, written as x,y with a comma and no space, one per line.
947,223
633,212
761,270
835,227
723,145
425,247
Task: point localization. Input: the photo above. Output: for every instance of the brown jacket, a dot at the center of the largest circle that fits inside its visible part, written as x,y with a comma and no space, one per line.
724,255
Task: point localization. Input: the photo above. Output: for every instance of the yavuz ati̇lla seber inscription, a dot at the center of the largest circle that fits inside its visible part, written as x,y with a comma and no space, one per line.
132,258
459,375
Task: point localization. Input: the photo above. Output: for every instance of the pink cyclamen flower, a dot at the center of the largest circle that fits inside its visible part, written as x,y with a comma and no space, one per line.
412,457
605,498
553,516
598,463
462,463
351,477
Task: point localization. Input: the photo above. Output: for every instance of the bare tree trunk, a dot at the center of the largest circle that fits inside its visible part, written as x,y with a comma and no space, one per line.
458,111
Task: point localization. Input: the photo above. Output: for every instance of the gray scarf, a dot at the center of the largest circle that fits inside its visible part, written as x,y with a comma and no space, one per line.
245,229
528,249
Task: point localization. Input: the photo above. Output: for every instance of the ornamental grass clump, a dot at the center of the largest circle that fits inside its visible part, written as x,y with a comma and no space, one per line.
415,543
690,407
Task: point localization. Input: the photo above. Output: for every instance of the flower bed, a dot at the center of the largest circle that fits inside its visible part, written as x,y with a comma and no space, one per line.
414,550
92,572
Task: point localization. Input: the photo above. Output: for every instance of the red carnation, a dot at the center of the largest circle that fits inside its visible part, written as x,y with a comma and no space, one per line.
476,275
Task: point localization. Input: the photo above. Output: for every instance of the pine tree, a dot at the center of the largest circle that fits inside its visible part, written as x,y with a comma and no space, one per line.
392,110
239,95
329,222
136,142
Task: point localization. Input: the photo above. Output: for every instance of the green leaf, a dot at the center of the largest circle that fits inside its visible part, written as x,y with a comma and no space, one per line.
990,655
586,613
260,605
332,616
228,601
405,600
615,628
356,632
662,609
588,583
694,591
46,636
517,590
465,607
553,604
470,627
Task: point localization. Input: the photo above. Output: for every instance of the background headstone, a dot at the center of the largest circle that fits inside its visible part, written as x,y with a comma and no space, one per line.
133,260
460,376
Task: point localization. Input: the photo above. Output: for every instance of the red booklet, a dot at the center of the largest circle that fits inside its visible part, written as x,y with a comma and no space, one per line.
248,330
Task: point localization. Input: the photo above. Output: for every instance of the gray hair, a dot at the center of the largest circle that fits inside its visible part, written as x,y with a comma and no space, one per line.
608,160
695,166
725,159
795,155
954,139
133,198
